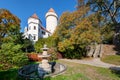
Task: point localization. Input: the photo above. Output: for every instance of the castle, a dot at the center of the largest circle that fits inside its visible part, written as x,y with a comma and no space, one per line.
35,30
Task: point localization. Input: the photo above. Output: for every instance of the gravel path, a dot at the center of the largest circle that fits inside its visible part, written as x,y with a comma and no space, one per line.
94,62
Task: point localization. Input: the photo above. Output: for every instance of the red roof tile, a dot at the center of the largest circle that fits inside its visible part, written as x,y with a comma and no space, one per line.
35,16
51,10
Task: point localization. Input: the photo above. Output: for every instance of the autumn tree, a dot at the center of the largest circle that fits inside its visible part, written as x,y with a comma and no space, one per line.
75,32
11,54
9,24
110,10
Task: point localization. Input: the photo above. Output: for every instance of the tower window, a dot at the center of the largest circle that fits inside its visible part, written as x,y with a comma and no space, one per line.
34,27
34,38
27,29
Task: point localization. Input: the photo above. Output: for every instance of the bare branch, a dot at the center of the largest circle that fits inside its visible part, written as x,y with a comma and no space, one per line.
116,11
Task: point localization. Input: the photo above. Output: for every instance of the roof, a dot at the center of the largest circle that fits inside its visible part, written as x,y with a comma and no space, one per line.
51,10
35,16
45,29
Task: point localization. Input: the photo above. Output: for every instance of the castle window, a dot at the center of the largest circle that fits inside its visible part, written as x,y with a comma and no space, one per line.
29,36
43,32
34,27
48,35
29,27
34,37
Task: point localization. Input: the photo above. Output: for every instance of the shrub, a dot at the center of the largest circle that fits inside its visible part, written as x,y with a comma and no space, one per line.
53,53
33,57
11,55
40,43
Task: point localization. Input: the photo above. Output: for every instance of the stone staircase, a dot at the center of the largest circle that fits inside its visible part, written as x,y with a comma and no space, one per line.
101,49
97,52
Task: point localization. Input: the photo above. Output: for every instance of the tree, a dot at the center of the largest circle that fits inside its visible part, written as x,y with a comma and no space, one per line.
9,24
11,54
75,32
110,10
27,45
40,43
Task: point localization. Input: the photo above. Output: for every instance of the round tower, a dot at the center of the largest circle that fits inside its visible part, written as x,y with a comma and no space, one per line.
51,20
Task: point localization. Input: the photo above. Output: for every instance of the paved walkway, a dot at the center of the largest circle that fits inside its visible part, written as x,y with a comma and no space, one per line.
94,62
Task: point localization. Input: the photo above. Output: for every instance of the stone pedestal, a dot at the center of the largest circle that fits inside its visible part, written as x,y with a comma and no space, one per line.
44,67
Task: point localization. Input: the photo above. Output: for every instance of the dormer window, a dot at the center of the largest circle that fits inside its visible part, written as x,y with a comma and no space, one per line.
34,27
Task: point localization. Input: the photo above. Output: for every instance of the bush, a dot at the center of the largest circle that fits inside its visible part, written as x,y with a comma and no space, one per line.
40,43
33,57
53,53
11,55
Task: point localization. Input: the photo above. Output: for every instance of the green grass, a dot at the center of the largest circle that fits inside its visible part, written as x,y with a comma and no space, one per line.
9,74
87,72
74,72
112,59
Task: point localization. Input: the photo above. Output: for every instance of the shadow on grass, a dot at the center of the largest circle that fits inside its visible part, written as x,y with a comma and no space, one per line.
12,74
115,70
46,78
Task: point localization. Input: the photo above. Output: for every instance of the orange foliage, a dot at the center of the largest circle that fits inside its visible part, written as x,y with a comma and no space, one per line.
34,57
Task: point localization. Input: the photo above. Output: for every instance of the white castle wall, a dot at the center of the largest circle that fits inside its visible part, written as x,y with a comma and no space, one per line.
32,22
51,23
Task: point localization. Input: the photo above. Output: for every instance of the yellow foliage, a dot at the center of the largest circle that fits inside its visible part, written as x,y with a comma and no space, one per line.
76,29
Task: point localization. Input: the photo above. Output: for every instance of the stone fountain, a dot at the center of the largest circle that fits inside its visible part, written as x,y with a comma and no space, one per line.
43,69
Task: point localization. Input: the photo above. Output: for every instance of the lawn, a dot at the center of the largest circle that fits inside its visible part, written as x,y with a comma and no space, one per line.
112,59
74,72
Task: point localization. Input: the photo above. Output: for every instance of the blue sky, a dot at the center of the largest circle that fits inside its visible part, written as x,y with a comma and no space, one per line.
25,8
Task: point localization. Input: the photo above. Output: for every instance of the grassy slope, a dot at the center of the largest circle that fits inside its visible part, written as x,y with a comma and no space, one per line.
112,59
74,72
85,72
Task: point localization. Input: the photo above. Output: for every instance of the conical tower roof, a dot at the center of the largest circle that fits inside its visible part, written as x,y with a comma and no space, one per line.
35,16
51,10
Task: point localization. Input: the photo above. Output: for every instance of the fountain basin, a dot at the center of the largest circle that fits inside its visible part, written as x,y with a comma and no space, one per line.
31,71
